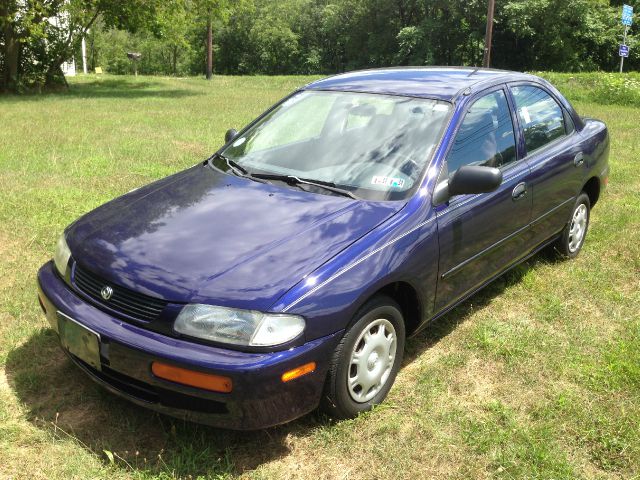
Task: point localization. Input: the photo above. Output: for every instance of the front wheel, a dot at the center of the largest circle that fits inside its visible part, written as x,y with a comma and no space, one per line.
366,362
574,233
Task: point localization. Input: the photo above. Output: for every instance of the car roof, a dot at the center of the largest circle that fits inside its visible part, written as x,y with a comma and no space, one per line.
441,83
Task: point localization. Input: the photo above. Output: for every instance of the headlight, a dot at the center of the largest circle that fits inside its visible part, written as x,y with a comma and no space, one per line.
238,327
61,255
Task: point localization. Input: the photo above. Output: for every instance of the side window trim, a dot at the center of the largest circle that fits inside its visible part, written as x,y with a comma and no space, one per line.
568,122
521,149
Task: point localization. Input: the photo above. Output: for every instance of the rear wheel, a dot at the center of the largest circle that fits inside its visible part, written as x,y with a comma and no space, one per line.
366,362
574,233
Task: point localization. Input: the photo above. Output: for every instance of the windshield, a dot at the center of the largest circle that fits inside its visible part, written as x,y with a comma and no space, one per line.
375,146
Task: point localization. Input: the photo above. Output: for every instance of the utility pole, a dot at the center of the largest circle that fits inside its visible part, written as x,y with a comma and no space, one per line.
209,47
624,42
486,59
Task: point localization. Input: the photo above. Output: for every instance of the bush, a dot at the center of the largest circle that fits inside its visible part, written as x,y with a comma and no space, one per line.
619,89
600,87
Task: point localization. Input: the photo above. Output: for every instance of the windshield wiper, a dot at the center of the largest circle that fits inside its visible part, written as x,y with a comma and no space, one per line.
236,168
293,180
289,179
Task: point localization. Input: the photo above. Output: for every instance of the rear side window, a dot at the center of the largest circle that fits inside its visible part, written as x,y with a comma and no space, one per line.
541,117
485,136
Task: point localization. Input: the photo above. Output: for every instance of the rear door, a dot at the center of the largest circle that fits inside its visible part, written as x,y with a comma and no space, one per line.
480,235
553,152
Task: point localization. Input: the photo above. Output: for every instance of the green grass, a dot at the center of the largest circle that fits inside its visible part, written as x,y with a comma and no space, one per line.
537,376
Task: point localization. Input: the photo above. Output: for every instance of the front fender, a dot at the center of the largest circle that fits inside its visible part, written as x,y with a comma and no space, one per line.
403,249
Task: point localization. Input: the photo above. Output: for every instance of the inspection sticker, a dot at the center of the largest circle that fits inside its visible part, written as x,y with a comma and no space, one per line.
388,181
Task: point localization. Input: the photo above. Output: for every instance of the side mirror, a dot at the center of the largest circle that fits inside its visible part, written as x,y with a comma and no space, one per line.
471,179
467,180
230,135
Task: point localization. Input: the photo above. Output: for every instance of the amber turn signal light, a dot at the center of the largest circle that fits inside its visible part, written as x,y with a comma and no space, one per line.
299,371
206,381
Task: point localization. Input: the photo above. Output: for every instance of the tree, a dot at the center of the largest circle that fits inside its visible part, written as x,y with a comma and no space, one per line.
39,35
24,24
209,11
566,35
305,36
173,25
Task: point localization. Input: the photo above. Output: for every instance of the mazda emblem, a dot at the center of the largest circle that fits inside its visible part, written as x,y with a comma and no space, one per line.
106,292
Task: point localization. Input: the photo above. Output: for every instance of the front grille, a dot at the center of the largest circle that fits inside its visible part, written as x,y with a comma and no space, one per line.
122,300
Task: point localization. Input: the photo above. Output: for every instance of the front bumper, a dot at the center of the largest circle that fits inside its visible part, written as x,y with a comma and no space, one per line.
259,398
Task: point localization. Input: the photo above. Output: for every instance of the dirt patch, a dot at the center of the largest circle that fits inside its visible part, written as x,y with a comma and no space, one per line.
8,248
4,384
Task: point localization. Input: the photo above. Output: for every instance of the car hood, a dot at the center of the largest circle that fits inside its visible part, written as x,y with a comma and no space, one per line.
203,236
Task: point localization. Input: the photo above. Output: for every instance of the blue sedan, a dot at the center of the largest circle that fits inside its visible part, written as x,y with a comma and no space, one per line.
286,271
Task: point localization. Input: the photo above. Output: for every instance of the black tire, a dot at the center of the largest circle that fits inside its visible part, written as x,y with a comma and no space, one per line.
565,245
337,400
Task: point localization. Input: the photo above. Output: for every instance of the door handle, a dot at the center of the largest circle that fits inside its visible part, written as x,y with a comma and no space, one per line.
578,159
519,191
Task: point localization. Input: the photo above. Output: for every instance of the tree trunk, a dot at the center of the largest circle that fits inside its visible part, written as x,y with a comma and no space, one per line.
9,79
175,61
11,58
209,48
54,77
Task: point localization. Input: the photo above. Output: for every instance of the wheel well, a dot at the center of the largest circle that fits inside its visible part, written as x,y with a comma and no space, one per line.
592,189
407,298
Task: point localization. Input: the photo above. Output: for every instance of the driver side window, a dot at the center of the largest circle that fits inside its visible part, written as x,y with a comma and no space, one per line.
485,137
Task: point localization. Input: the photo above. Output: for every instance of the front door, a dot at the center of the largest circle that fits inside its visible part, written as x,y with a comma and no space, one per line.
480,235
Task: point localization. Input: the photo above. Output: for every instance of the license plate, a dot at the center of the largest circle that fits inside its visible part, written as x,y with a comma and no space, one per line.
79,340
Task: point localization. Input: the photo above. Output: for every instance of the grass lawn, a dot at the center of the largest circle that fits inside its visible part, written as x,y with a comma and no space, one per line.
537,376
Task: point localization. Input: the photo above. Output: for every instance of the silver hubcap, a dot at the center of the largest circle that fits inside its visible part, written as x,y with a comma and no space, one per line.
578,227
371,361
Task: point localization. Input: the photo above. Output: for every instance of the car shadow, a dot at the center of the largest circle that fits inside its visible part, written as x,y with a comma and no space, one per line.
59,398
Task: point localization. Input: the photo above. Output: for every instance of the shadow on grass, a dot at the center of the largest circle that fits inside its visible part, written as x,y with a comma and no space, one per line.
124,88
62,400
443,326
